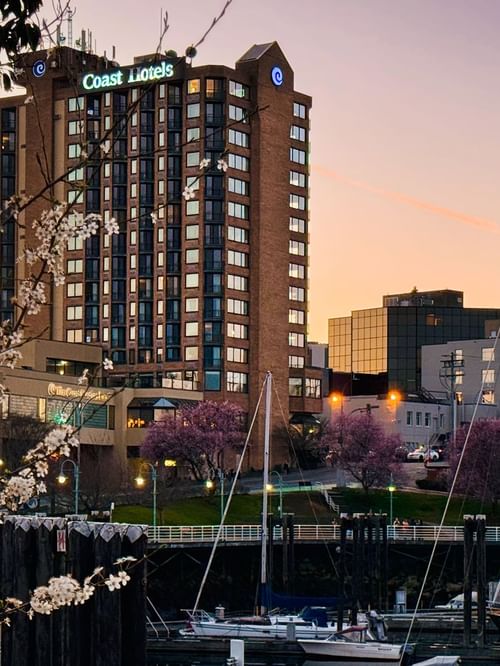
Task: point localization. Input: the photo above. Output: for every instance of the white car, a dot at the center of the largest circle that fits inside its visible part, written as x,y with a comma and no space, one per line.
422,454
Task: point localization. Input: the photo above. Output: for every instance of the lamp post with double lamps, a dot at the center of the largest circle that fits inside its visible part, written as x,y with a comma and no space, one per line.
62,478
140,482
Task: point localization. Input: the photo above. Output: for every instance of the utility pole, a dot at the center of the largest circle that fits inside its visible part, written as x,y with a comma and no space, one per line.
452,367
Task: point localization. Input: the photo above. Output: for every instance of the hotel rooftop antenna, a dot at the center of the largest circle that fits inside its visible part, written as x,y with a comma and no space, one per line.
69,17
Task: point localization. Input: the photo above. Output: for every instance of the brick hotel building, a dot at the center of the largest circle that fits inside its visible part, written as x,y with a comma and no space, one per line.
204,294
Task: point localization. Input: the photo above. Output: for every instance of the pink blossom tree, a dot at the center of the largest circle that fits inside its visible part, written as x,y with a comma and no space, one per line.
479,474
197,436
359,446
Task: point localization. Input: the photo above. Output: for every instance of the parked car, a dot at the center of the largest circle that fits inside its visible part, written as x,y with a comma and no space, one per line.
457,603
422,455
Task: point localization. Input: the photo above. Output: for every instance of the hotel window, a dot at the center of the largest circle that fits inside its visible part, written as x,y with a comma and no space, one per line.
191,329
133,190
488,376
192,280
77,174
159,259
131,333
418,419
237,306
488,397
74,289
190,353
193,182
159,307
487,354
297,225
192,232
239,90
74,335
237,113
238,162
132,308
297,179
191,305
74,312
409,418
297,247
133,237
299,110
297,133
133,285
160,235
296,294
239,138
240,211
237,258
237,234
192,134
160,280
296,361
133,143
296,339
214,87
297,271
159,331
161,139
298,156
75,127
106,195
193,86
296,317
161,115
105,334
296,201
192,256
193,159
237,331
107,122
193,110
237,355
75,244
133,120
192,207
161,187
237,282
105,264
105,287
295,387
312,387
74,150
75,196
238,186
74,266
427,419
105,311
459,377
76,104
161,163
237,382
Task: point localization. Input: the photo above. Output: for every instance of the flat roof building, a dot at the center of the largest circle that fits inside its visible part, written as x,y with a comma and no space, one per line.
204,288
382,346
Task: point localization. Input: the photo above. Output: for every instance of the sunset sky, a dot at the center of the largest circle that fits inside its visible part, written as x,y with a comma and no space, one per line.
405,141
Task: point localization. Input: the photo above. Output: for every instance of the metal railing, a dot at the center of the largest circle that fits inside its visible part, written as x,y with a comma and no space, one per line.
206,534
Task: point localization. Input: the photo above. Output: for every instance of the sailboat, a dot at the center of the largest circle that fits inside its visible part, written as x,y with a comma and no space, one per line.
311,622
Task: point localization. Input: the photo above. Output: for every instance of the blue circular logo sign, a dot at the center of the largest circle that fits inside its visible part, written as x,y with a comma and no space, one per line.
39,68
277,76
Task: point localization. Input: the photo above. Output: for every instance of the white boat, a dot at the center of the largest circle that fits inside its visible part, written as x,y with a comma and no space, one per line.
272,625
340,647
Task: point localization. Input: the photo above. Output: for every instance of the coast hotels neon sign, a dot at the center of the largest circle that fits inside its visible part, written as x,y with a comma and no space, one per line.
128,76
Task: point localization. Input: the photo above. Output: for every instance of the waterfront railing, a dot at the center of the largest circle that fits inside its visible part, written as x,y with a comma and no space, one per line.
206,534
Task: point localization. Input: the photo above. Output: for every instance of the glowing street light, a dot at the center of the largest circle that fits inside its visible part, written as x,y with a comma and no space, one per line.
392,489
140,482
62,478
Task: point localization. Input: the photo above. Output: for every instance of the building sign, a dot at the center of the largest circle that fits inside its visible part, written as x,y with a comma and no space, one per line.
70,393
127,76
277,76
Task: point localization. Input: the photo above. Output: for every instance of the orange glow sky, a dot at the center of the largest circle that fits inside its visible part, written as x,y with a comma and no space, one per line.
405,159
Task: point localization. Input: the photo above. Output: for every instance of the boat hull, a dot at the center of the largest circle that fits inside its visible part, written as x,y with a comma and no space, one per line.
351,651
236,630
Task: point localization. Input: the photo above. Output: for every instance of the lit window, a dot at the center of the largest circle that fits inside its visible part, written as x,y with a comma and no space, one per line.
237,282
192,256
296,339
192,207
192,134
190,353
192,232
237,355
295,387
312,387
192,280
238,162
237,234
487,354
296,361
237,331
191,329
488,397
237,382
193,110
74,289
488,376
239,90
191,305
238,210
296,317
239,138
297,271
237,258
296,294
193,159
297,247
193,86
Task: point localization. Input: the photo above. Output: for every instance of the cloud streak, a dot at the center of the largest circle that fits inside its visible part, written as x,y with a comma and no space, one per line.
470,220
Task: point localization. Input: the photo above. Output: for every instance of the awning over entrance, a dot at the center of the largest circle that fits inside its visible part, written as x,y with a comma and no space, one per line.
304,420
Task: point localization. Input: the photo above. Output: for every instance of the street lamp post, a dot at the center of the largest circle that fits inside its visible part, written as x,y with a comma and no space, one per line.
391,488
280,490
140,483
62,478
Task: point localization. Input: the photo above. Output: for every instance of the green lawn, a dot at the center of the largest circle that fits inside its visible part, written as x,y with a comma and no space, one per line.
307,507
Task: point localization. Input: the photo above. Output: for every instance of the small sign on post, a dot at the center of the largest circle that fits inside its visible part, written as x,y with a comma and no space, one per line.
61,541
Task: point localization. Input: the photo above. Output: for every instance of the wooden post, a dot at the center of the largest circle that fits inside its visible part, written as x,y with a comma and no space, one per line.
385,558
355,570
284,573
340,607
468,560
481,579
378,563
133,605
291,551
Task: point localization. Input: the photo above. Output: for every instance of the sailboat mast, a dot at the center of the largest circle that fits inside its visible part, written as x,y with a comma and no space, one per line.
267,434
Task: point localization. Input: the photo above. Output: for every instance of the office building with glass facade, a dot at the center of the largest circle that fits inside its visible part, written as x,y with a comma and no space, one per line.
384,344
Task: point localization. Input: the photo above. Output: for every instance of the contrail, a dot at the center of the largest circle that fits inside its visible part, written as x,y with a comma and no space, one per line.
470,220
